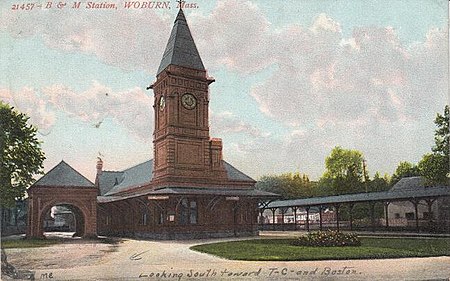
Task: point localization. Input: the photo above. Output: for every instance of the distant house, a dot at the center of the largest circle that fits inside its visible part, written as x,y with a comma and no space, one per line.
328,216
403,213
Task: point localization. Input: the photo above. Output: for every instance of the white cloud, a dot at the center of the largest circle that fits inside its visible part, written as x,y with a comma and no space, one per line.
227,123
99,102
91,106
235,37
28,101
130,39
372,83
367,91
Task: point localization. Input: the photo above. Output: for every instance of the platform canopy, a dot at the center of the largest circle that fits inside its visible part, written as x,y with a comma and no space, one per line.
406,189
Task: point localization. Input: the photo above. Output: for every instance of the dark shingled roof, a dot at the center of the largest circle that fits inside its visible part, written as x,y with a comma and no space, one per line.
63,175
113,182
181,49
409,183
108,179
234,174
135,176
405,189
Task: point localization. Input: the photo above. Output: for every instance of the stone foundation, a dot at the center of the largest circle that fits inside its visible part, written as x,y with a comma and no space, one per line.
182,235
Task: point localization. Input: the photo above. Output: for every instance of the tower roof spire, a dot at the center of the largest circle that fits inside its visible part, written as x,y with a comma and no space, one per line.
181,49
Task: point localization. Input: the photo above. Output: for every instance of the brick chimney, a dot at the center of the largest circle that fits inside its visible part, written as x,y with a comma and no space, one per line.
99,166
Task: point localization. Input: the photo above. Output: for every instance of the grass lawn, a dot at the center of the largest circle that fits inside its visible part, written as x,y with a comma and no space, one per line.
371,248
32,243
28,243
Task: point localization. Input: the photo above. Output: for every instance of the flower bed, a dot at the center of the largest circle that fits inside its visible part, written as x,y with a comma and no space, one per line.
328,238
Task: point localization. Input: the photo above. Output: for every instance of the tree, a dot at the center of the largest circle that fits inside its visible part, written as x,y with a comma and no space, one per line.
344,171
435,167
21,156
288,185
379,183
404,169
442,133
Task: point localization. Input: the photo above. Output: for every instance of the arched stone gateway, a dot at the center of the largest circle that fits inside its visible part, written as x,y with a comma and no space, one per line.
63,186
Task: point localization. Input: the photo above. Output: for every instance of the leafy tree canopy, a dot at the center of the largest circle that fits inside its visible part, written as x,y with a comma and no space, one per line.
404,169
379,183
21,156
344,171
435,166
288,185
442,133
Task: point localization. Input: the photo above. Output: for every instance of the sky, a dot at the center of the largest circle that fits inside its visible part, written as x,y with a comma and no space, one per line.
294,79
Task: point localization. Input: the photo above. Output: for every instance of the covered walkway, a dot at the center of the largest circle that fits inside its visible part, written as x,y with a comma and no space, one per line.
401,192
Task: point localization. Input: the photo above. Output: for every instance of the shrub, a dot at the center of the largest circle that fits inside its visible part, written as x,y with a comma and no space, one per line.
328,238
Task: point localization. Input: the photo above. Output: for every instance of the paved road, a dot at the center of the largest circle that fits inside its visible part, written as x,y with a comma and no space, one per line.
172,260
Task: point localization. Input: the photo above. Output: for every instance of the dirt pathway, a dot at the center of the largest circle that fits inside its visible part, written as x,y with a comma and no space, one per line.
172,260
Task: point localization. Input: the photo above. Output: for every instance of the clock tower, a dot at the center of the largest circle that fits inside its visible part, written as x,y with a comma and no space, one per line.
183,150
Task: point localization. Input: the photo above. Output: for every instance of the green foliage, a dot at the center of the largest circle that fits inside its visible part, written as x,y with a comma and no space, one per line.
344,171
328,238
379,183
442,133
28,243
288,185
344,163
404,169
283,250
21,156
434,167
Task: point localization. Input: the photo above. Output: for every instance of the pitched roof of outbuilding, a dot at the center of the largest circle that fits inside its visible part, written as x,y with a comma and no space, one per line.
181,49
409,183
63,175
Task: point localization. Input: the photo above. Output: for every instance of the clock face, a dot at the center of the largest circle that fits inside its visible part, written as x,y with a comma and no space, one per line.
162,103
188,101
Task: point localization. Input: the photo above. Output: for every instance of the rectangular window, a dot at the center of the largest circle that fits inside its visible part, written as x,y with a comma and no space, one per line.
161,217
409,216
184,211
144,218
188,213
193,212
108,220
427,216
397,215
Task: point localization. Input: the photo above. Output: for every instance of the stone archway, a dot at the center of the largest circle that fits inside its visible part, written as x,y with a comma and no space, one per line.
73,223
82,200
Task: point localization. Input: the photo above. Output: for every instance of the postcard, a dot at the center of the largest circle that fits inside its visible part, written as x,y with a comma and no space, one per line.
273,128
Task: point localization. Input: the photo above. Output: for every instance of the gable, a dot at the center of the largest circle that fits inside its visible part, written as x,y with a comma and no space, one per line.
63,175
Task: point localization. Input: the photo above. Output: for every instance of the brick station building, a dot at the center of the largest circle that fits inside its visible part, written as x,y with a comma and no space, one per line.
186,191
